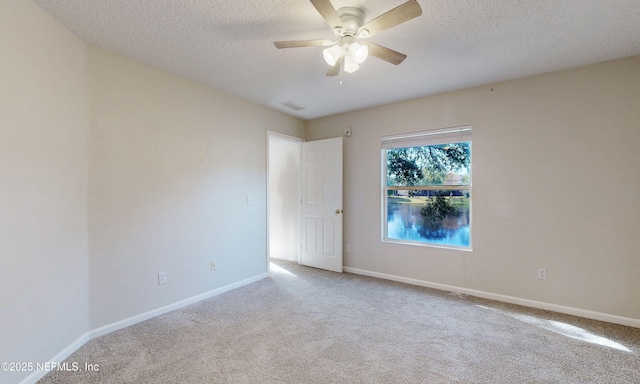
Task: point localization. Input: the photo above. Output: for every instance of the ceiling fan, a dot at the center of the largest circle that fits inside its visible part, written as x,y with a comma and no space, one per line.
347,51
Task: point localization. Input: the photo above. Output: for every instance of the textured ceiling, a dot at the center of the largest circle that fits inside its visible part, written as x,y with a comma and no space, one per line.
455,44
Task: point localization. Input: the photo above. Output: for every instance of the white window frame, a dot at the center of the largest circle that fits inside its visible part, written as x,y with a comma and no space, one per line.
420,139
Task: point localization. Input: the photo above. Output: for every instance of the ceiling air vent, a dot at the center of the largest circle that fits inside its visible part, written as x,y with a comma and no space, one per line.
292,105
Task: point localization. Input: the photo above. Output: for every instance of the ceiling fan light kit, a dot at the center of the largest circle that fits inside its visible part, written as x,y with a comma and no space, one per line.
331,55
345,53
359,52
354,54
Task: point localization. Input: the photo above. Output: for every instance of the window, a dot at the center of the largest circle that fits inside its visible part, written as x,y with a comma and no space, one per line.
427,188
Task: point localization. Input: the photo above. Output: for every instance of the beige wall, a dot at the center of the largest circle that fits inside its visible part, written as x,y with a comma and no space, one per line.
111,172
43,200
555,185
170,167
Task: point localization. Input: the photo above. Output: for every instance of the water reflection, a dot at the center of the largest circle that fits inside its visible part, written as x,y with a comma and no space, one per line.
405,222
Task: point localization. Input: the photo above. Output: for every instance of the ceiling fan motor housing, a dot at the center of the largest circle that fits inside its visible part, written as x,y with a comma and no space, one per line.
352,19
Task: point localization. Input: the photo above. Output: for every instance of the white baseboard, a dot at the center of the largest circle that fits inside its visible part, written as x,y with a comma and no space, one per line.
66,352
171,307
631,322
59,357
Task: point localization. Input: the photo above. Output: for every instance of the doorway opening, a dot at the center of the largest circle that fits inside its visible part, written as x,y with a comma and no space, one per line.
283,197
304,197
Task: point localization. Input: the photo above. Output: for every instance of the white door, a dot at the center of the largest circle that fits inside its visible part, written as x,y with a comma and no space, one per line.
321,212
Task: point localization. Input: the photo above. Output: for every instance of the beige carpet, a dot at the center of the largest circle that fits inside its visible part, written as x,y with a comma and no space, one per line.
304,325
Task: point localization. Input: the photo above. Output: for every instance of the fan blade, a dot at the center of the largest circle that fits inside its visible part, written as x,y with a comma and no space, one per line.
302,43
397,15
328,13
335,70
386,54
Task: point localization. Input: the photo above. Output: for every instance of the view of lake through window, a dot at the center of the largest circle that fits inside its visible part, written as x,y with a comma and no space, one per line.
442,218
428,194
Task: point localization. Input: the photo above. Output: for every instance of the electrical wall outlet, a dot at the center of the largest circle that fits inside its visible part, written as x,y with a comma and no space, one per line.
213,265
251,200
347,248
542,274
162,278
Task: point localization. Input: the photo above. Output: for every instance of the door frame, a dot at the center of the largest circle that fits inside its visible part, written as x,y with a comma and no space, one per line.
296,140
